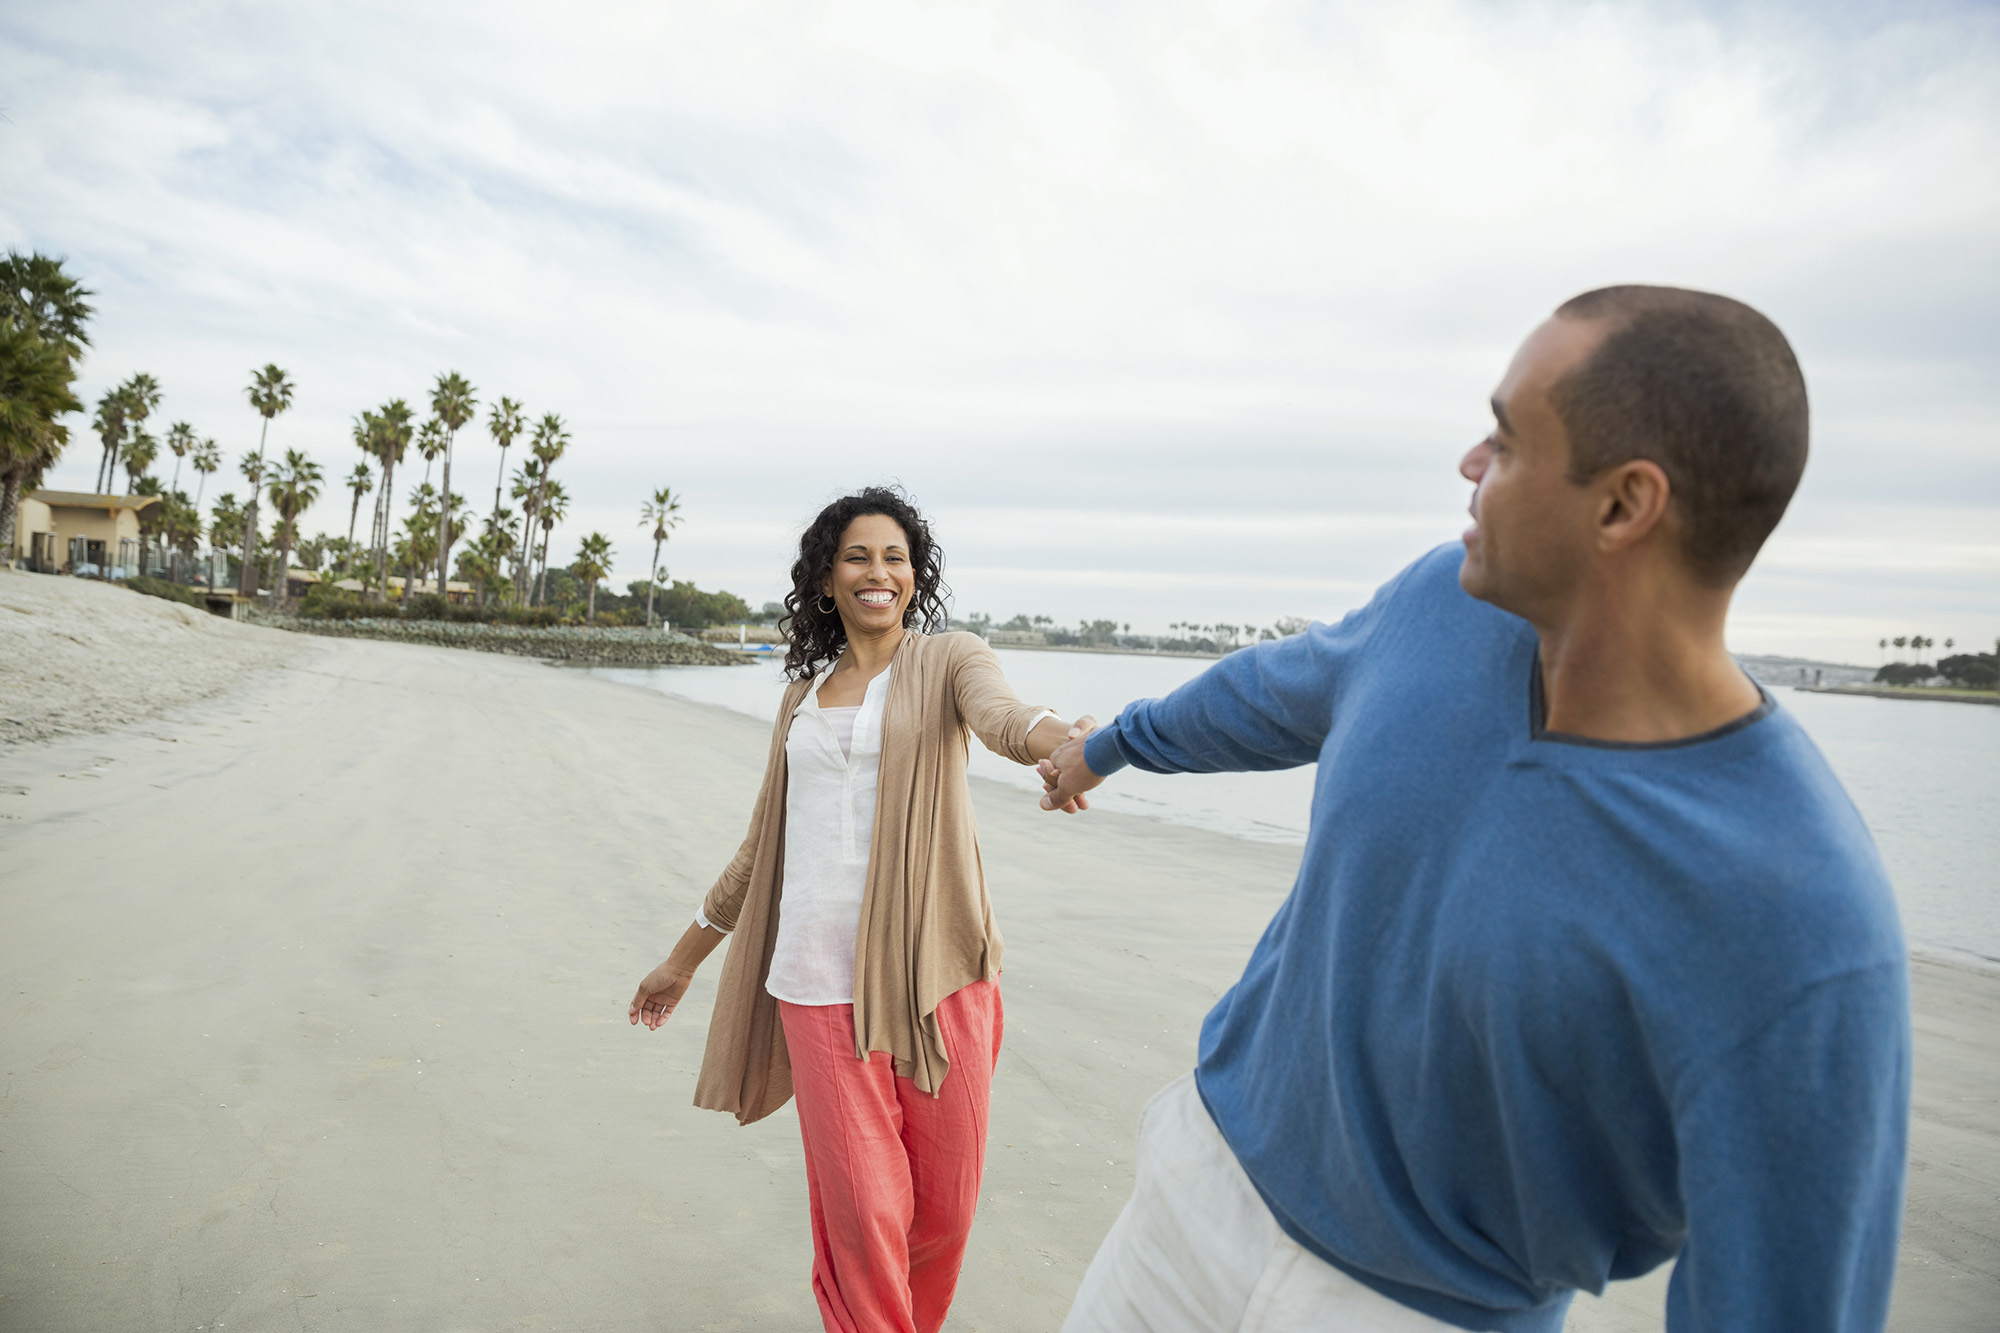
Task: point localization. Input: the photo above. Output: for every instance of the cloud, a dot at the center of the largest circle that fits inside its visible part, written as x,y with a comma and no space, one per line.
1133,297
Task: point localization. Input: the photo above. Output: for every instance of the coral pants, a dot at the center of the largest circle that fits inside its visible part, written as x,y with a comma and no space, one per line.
893,1172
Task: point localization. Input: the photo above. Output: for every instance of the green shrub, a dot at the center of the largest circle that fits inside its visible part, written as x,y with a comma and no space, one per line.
1905,673
1978,671
324,602
690,608
172,592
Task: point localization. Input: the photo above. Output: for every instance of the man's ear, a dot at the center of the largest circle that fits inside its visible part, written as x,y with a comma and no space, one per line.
1632,502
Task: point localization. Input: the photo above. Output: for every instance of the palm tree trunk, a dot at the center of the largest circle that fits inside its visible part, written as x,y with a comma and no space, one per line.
284,587
497,480
246,583
375,531
444,517
524,568
353,517
590,617
651,576
10,505
382,543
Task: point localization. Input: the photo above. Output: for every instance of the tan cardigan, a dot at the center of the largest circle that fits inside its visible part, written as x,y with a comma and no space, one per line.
926,924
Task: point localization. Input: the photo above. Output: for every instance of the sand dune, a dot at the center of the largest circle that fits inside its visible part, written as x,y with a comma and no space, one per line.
315,1012
77,655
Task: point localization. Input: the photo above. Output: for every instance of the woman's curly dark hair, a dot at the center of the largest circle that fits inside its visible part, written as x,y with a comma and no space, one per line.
817,636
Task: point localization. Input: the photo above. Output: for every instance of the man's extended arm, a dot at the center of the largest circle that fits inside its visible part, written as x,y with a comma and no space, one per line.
1265,707
1791,1167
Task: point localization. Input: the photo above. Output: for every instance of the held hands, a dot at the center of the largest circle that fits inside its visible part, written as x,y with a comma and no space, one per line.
1065,777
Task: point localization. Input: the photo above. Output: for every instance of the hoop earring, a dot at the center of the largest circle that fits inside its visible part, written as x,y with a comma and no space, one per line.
826,610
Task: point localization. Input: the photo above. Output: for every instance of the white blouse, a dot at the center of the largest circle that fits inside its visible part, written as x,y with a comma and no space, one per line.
832,764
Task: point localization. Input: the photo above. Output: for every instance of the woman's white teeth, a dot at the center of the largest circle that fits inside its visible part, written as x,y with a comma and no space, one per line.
875,598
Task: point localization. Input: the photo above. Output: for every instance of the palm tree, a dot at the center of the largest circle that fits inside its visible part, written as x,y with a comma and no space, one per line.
270,392
663,511
550,510
453,404
295,484
227,524
35,375
504,423
180,524
483,560
1900,640
180,439
140,456
550,441
593,562
253,470
43,311
419,545
360,482
527,489
110,425
527,486
388,432
36,295
141,394
206,460
430,443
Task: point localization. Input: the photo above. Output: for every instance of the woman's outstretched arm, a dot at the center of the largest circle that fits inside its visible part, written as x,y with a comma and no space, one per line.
666,984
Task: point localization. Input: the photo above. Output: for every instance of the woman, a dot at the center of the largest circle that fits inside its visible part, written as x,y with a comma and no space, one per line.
873,994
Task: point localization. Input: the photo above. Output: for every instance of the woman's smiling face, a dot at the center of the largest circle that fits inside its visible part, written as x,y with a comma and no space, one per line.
872,579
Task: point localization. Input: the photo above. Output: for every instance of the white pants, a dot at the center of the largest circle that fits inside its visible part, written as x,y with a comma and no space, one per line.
1197,1251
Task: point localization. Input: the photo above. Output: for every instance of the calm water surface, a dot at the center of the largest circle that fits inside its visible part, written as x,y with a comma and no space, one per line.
1925,776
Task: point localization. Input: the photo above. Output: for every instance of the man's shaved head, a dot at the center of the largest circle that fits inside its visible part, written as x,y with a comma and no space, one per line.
1706,388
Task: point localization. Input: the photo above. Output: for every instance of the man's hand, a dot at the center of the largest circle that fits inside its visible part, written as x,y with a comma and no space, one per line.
1065,777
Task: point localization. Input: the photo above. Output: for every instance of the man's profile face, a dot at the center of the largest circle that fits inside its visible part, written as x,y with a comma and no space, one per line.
1530,537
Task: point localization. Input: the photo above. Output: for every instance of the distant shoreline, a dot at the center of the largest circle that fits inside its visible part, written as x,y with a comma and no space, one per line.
1111,652
1988,698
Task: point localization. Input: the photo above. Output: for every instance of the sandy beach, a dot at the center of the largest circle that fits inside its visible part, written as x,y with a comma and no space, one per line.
318,952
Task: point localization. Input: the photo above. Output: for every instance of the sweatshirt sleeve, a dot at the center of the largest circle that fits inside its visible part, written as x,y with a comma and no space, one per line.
1267,706
1791,1167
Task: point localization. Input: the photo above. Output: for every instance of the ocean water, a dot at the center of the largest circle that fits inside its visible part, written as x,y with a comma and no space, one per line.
1925,776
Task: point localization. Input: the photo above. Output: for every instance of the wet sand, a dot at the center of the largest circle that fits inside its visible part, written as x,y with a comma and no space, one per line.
314,1018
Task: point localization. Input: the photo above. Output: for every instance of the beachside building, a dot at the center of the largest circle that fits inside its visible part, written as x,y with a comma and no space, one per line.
76,532
454,591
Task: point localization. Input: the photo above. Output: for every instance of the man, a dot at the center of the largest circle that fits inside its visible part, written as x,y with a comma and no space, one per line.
1590,962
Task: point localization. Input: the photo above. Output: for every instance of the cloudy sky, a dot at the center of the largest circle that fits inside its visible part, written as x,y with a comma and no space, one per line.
1164,311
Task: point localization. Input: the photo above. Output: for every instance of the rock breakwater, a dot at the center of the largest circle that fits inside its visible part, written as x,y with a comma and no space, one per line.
560,643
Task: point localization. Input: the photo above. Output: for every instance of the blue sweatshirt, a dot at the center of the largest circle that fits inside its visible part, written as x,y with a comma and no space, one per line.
1542,1012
